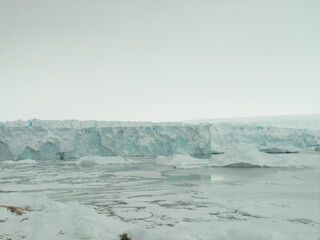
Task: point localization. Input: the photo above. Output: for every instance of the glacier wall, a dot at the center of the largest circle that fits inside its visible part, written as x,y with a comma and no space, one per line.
264,138
46,142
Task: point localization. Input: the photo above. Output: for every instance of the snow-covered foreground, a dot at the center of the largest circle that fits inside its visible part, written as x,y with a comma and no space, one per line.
98,199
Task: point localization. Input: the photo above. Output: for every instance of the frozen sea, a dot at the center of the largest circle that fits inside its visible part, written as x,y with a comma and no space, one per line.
155,201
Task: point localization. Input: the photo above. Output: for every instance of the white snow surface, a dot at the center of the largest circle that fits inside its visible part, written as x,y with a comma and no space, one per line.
52,220
96,160
20,162
182,161
242,156
48,220
102,201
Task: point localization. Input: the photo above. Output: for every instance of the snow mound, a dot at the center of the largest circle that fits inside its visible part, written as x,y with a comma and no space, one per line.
246,156
97,160
243,155
46,219
140,174
26,161
238,156
182,161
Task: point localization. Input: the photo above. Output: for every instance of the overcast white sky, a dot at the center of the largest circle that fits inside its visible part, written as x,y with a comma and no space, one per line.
158,60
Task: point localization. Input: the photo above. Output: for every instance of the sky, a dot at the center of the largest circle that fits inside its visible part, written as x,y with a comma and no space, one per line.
158,60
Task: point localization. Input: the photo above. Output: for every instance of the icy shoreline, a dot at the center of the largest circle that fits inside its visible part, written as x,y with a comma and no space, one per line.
158,182
158,201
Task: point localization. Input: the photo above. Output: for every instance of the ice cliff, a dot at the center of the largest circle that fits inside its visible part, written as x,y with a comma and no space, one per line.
45,142
266,139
